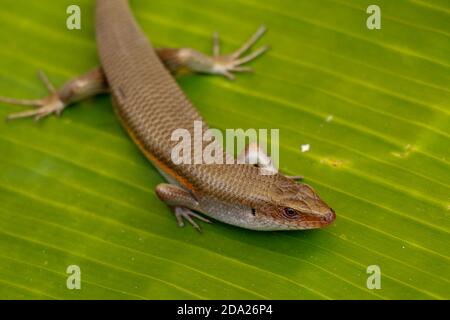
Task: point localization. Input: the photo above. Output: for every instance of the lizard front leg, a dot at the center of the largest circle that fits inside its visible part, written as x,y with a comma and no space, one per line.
182,203
254,154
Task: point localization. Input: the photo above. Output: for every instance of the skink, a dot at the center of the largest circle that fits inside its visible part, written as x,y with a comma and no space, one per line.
151,106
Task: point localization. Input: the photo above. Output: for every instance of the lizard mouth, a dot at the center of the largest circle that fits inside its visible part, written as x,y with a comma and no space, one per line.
312,221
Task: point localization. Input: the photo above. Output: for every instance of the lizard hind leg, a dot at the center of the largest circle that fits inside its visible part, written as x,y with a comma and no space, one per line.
227,64
86,85
42,107
217,63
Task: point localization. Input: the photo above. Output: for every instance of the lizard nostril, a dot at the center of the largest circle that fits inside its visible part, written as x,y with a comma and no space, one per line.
331,216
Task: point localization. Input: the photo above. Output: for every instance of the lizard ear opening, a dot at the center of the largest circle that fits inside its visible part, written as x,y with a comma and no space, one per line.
254,211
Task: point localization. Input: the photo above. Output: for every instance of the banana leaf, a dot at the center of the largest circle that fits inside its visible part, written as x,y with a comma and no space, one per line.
373,105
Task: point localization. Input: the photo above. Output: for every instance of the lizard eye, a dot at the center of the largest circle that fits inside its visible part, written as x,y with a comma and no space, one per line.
290,213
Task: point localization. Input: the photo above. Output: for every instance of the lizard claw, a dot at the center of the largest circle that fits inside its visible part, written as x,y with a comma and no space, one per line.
43,107
227,64
185,213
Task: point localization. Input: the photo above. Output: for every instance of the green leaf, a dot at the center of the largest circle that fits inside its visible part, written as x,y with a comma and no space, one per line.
77,191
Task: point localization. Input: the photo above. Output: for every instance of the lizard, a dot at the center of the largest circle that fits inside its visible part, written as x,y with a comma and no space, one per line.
151,105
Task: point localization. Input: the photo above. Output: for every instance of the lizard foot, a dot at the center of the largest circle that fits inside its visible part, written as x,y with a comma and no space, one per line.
227,64
43,107
185,213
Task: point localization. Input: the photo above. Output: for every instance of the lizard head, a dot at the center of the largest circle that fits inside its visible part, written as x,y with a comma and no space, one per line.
294,206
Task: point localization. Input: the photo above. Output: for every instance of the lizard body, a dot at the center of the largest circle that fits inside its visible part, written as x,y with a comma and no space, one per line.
151,105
